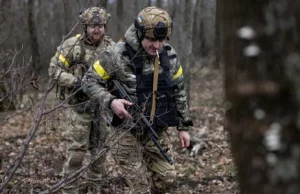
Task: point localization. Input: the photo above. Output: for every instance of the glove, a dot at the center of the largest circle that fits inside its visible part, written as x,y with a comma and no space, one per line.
79,94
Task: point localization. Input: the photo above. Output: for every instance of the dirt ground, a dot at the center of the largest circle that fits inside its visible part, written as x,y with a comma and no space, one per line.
210,171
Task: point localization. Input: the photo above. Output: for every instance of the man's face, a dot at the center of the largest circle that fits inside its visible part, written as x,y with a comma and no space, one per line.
151,45
95,33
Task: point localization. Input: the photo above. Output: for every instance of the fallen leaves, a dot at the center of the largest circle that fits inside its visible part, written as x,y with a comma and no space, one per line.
208,169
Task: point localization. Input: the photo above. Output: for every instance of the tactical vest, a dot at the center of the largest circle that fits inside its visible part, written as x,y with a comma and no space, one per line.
166,110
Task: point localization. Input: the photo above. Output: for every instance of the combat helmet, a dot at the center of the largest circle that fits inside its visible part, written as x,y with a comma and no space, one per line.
94,15
153,22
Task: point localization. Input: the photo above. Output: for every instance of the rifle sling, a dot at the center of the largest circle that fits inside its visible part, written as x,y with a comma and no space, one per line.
155,81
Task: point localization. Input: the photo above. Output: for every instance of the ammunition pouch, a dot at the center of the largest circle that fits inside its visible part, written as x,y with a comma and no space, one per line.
84,107
78,97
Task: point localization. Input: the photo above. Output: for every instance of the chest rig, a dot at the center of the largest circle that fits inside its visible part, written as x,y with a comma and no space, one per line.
166,110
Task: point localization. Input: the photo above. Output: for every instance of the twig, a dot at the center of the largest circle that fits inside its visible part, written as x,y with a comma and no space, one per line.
11,171
76,175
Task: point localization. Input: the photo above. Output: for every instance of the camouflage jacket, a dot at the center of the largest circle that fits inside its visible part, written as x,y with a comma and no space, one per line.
72,58
113,63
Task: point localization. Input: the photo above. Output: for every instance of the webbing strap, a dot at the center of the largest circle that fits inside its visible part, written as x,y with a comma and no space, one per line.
155,82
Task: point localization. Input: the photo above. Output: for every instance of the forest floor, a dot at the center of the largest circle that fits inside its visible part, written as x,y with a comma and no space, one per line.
210,171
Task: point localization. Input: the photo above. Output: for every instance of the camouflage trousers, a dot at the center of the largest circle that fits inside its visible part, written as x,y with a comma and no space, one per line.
144,168
83,136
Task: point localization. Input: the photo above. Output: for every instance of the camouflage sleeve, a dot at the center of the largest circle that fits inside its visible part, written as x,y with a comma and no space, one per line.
180,93
94,82
109,42
60,63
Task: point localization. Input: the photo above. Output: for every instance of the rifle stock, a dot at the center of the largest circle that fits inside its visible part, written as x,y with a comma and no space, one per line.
120,92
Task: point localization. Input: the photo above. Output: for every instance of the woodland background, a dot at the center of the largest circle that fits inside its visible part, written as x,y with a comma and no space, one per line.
241,63
38,26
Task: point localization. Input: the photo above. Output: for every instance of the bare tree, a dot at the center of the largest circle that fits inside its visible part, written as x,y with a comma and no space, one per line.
66,16
186,54
120,15
159,3
217,36
261,55
33,36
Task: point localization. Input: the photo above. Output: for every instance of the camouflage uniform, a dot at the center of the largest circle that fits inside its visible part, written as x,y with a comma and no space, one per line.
67,66
137,155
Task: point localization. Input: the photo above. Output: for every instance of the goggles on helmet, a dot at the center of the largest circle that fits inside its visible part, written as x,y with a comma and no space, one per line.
159,32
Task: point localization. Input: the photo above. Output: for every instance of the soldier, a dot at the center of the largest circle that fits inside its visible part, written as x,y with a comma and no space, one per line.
150,72
69,64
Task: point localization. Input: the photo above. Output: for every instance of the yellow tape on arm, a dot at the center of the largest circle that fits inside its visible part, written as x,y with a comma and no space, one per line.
179,73
63,59
101,71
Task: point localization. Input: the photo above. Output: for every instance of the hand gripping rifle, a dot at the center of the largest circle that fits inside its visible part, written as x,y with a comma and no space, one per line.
120,92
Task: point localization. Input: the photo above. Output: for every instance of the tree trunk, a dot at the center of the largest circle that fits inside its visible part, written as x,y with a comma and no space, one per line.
217,36
120,15
66,15
104,3
203,50
174,6
261,56
187,54
33,37
159,3
197,29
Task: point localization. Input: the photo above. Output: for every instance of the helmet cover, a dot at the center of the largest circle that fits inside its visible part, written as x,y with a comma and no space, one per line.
154,23
94,16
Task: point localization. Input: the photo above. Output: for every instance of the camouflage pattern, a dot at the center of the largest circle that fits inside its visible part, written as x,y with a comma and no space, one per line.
139,159
80,134
75,49
115,63
95,15
149,18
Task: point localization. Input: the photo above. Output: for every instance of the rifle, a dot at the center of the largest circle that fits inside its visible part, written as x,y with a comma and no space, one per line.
120,92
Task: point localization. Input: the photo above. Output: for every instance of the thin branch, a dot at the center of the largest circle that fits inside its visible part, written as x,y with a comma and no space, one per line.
13,59
76,175
11,171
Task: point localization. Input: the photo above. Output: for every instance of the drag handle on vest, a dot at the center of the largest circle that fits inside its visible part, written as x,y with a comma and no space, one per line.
116,89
